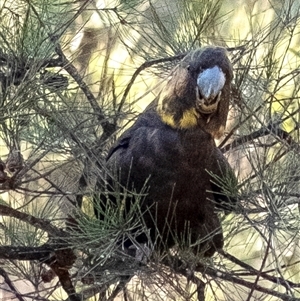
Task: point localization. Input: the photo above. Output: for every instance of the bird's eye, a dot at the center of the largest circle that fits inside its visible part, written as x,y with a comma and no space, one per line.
192,69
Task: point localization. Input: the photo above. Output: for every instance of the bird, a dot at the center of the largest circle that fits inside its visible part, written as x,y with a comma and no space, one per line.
168,161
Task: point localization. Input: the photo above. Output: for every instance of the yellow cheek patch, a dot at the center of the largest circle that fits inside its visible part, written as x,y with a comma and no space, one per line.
168,119
188,120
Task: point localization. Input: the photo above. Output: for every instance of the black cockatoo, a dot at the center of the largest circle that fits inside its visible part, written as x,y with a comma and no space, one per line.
170,155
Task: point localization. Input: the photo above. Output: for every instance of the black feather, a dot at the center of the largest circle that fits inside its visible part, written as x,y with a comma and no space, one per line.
176,160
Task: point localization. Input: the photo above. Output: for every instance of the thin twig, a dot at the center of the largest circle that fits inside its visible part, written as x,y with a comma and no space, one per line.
121,285
215,273
32,220
10,284
108,128
71,69
270,129
144,66
258,274
276,280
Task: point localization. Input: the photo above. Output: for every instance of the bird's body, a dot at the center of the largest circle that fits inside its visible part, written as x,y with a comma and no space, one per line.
170,150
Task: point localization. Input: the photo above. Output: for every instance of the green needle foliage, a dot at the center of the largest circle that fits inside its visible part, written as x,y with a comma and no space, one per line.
73,77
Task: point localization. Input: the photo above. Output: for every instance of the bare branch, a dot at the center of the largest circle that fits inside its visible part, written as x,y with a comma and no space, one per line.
108,128
265,274
26,253
34,221
272,128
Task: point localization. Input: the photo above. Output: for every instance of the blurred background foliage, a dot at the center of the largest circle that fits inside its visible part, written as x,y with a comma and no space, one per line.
74,73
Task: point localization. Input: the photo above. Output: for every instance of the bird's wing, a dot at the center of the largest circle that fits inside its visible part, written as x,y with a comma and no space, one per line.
146,121
121,143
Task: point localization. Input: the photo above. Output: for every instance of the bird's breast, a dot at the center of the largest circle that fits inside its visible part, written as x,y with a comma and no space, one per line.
178,160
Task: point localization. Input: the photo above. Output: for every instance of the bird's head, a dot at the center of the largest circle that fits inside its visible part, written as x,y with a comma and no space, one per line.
197,92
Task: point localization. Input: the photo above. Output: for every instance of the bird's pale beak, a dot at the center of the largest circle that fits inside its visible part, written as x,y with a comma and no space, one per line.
210,83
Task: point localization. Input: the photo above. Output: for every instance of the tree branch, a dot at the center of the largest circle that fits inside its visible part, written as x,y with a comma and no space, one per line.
59,259
32,220
108,128
180,267
26,253
276,280
272,128
60,264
